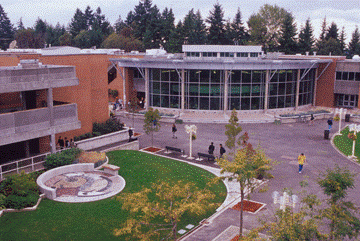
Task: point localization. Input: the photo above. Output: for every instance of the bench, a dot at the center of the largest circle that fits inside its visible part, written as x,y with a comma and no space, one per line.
174,149
208,156
111,169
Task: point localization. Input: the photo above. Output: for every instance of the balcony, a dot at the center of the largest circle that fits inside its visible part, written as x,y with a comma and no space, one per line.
14,79
30,124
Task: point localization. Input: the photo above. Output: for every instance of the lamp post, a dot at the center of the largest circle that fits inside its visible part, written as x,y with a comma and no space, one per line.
284,200
354,128
191,129
340,112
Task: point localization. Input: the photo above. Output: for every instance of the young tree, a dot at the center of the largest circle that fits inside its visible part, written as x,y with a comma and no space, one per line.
340,213
306,38
216,31
244,169
232,131
6,30
152,123
159,217
287,39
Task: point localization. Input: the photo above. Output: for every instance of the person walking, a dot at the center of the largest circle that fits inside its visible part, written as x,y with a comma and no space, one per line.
301,161
329,122
130,133
174,130
222,151
312,118
211,148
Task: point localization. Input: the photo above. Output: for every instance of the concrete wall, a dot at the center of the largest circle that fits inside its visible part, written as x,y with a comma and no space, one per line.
49,192
103,140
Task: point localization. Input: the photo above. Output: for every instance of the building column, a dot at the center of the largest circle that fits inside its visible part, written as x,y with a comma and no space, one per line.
27,148
297,90
226,90
315,85
182,90
124,87
266,98
50,106
147,89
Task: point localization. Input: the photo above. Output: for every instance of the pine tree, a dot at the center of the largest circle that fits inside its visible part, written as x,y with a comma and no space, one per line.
216,29
78,23
176,39
354,45
342,44
6,30
168,26
194,28
239,34
306,38
287,39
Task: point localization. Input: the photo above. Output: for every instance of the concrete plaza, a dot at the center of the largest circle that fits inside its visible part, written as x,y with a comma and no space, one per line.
282,143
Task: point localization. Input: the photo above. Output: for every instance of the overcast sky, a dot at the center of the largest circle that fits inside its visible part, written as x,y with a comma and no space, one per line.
345,13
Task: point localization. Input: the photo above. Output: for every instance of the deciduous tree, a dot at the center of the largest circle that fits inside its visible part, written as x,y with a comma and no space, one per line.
159,210
232,131
152,123
244,169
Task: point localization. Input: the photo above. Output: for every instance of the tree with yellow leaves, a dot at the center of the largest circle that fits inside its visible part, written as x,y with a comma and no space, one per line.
247,164
156,212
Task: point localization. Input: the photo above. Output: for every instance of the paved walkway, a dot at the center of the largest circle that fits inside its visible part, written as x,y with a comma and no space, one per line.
282,143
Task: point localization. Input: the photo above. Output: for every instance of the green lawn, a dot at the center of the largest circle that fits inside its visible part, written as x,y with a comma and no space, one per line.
344,144
97,220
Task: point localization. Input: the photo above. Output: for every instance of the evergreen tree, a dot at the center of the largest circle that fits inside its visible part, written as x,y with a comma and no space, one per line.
176,39
354,45
194,28
342,44
119,25
88,17
65,39
287,38
40,31
321,42
6,30
330,43
20,25
332,32
78,23
306,38
238,34
168,26
101,24
216,31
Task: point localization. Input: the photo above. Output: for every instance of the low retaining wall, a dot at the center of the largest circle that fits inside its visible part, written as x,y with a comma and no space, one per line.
49,192
293,119
134,145
103,140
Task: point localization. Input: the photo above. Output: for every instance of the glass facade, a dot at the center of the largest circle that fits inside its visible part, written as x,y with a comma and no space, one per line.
205,89
246,90
165,88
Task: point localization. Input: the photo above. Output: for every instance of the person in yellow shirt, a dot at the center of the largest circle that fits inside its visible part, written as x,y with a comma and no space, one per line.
301,161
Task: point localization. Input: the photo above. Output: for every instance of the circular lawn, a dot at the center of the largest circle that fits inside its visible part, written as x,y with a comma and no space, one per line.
97,220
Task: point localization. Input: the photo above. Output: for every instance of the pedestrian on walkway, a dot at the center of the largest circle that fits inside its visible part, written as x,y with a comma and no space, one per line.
301,161
130,134
330,122
222,151
211,148
312,118
174,130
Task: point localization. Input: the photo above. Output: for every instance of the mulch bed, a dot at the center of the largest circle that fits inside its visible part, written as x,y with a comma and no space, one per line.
248,206
137,134
152,149
236,238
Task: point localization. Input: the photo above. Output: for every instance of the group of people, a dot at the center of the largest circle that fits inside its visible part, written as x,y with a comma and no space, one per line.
65,143
212,149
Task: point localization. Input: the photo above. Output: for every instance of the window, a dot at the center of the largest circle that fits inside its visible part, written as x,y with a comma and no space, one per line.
253,55
244,55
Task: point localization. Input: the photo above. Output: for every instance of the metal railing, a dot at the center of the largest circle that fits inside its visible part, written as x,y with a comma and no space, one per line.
29,164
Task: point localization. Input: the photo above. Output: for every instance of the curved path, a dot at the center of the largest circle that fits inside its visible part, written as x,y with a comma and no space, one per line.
282,143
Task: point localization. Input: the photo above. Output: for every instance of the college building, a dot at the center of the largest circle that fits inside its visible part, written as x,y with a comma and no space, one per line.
62,91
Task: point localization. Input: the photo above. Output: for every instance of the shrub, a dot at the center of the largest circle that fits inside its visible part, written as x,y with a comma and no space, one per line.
114,93
2,201
19,184
63,158
178,121
111,125
19,202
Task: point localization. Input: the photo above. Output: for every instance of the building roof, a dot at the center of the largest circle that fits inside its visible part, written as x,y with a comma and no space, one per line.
222,48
